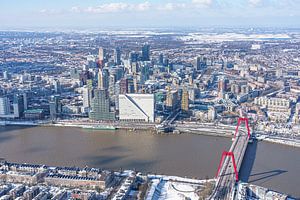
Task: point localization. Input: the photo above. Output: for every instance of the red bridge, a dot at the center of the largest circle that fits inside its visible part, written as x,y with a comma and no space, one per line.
231,161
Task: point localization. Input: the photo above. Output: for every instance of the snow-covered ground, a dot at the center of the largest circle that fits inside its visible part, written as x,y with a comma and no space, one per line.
214,37
173,188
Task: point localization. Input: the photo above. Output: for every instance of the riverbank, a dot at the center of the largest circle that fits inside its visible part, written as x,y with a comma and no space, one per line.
283,141
277,140
201,130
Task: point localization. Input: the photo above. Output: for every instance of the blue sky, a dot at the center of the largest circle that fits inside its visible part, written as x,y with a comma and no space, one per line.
151,13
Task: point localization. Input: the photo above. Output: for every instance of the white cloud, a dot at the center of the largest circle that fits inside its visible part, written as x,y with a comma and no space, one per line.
114,7
254,3
107,8
50,11
171,6
202,3
75,9
142,6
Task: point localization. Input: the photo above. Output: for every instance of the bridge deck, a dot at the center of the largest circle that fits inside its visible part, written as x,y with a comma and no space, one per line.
226,178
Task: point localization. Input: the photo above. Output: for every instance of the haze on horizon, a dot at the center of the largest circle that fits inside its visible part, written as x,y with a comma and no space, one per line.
151,13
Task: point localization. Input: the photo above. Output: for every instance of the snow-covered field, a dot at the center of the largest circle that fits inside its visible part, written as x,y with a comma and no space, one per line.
214,37
174,188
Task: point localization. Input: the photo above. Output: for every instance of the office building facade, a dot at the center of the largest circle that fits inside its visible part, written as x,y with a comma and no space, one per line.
137,107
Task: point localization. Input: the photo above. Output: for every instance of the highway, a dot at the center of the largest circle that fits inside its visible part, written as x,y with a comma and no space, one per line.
226,180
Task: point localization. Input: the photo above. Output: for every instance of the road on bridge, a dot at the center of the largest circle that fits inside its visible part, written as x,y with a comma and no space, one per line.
226,179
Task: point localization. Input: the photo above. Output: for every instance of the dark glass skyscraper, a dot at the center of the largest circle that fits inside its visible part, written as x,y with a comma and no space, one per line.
146,52
18,105
117,56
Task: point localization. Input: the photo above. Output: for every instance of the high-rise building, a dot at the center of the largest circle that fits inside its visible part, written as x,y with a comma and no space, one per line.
55,107
101,54
57,86
137,107
117,56
185,100
146,52
222,86
100,106
172,99
161,59
6,75
145,72
130,84
135,84
18,105
4,106
123,86
25,100
86,95
117,72
89,84
201,62
103,79
112,81
133,57
134,68
101,57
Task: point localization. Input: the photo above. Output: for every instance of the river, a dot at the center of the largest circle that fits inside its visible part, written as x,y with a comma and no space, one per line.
270,165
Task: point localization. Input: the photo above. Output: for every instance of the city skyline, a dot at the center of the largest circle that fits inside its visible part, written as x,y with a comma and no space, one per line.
152,13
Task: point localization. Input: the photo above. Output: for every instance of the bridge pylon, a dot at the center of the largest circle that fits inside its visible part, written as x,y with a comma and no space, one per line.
242,119
231,155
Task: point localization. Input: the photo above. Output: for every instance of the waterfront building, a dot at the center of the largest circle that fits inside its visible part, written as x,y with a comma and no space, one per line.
212,114
86,96
100,106
34,114
25,100
4,106
136,107
18,105
278,109
55,107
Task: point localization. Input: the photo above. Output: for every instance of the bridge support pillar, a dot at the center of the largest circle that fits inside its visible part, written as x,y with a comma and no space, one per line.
231,155
241,119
